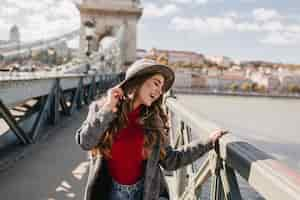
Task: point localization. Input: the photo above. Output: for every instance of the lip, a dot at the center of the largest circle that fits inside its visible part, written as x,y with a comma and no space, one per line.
151,99
154,96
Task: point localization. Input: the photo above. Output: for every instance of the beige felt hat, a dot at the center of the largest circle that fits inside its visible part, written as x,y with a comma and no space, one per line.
148,66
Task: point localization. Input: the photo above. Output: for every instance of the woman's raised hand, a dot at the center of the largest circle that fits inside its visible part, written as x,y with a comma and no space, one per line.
114,95
215,135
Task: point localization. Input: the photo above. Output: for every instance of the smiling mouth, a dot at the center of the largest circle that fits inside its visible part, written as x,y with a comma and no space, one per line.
152,96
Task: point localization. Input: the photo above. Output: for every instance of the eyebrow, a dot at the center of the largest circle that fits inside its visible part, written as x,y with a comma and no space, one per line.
157,80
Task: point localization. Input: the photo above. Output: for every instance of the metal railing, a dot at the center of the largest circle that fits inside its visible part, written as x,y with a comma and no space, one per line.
56,93
64,95
269,177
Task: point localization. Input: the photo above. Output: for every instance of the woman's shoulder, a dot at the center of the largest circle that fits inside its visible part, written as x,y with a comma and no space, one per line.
98,103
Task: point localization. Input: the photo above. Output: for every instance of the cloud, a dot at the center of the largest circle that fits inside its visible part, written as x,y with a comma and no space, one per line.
39,27
197,2
8,11
248,27
205,25
278,39
248,1
152,11
57,19
3,24
4,27
294,28
262,14
222,24
31,4
64,9
276,31
182,1
37,30
201,2
232,14
273,26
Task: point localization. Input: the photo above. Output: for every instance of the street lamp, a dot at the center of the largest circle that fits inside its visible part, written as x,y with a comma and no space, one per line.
89,35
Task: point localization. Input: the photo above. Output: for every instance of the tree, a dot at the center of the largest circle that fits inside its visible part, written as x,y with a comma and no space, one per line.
234,87
292,88
246,87
261,88
162,59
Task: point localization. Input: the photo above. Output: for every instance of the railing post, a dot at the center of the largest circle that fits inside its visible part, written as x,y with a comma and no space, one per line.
80,93
224,184
44,112
93,88
230,184
7,116
55,103
63,103
216,188
89,92
182,174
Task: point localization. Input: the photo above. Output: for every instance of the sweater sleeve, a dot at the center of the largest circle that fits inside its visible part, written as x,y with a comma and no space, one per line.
177,158
93,127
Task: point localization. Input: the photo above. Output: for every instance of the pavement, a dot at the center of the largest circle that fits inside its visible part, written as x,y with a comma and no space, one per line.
55,168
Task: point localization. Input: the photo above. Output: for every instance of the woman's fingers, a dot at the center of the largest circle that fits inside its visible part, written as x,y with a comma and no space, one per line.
117,92
215,135
114,95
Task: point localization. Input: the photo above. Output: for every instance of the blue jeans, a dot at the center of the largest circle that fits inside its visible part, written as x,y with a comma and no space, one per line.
127,192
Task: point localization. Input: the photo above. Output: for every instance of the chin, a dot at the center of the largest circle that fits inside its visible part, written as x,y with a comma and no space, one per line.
148,103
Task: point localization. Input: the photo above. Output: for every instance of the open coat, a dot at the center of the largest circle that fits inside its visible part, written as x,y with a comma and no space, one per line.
155,186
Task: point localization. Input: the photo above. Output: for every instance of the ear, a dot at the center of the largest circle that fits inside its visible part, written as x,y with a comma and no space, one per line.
132,93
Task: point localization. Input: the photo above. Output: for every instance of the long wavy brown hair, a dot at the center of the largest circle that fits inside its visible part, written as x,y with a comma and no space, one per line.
153,119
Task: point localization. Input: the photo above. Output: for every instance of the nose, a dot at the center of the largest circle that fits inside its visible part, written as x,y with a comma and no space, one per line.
159,91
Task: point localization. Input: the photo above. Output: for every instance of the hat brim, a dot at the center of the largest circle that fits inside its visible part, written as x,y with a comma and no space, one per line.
165,71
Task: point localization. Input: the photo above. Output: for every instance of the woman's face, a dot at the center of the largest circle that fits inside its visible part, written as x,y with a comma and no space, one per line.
151,90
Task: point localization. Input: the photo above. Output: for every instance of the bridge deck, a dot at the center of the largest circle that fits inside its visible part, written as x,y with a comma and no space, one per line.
54,168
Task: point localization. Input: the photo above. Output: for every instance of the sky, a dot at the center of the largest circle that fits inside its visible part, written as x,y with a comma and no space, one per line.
266,30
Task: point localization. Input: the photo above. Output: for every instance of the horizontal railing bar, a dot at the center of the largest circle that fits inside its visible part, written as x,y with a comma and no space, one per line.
268,176
18,76
16,91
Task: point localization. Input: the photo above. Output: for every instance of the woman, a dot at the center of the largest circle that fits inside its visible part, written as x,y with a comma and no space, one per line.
125,134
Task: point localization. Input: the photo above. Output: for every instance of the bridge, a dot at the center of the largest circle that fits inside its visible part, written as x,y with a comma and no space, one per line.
24,50
40,113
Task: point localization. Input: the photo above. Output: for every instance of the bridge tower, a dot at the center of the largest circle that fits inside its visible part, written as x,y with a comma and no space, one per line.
14,35
109,16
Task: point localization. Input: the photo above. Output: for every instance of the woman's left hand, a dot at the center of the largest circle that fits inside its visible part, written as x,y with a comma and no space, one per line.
215,135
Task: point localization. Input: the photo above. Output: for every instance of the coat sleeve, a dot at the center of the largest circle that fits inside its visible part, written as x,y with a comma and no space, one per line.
93,127
177,158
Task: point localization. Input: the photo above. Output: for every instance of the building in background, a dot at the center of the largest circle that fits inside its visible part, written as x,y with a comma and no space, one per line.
14,34
270,82
183,78
14,37
221,60
184,57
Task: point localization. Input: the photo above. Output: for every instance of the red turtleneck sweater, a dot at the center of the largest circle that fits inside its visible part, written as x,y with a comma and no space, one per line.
126,164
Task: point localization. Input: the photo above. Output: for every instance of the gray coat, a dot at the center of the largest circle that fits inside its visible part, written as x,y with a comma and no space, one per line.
155,186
